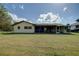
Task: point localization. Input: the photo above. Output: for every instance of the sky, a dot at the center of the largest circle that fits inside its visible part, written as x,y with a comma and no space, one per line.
44,12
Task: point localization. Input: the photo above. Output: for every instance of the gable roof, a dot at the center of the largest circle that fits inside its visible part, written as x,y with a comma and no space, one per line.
39,24
21,22
46,24
77,23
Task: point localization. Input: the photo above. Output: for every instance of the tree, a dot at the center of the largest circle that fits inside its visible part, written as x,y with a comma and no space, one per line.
77,20
5,19
68,27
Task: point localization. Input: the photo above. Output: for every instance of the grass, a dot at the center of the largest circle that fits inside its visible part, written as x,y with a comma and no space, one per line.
39,44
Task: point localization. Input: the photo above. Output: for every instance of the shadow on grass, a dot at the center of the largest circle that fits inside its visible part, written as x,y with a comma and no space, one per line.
12,33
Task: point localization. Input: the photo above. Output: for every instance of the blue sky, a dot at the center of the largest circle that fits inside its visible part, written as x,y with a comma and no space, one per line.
66,13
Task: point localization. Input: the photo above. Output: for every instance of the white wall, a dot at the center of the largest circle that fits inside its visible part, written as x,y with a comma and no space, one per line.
73,27
22,30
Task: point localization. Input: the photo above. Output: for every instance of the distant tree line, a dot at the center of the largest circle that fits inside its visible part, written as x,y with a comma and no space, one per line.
5,19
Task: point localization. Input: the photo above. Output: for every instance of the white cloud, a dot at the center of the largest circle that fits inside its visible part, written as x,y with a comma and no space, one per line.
21,6
49,18
65,8
16,18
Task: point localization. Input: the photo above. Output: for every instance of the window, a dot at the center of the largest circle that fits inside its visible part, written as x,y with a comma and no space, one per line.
77,26
25,27
57,27
29,27
18,27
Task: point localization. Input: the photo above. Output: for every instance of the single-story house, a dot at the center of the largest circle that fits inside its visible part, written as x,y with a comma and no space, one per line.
75,27
27,27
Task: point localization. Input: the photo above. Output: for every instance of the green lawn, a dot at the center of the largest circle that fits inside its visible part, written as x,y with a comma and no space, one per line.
39,44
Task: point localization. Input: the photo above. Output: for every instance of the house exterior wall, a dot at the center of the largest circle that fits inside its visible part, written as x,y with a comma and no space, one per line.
22,30
24,27
73,27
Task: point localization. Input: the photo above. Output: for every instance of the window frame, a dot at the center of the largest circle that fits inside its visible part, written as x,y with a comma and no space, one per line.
25,27
29,27
18,27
